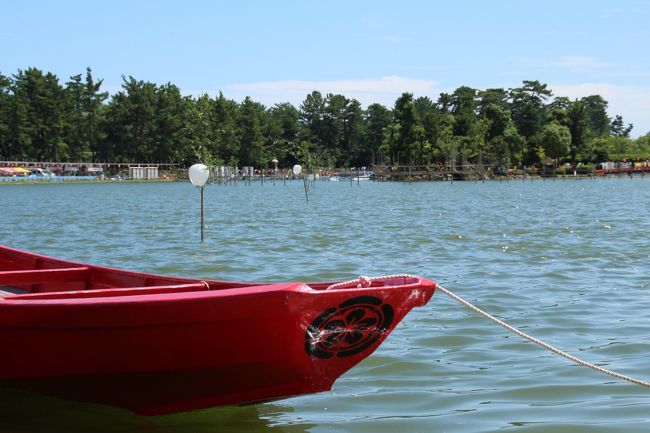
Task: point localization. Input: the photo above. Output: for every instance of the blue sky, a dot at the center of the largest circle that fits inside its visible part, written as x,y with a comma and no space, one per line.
372,50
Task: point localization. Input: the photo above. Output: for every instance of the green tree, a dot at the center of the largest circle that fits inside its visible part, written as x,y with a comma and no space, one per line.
226,130
84,106
463,107
577,123
424,105
596,115
557,110
556,140
130,125
389,143
439,131
514,145
467,130
561,103
617,148
405,116
250,121
169,128
282,133
332,133
618,129
495,120
312,117
376,119
19,145
199,143
75,131
643,143
40,119
444,103
353,131
41,104
492,97
433,124
6,99
498,119
528,107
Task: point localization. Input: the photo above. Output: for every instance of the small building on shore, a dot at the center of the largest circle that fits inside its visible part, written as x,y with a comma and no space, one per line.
148,172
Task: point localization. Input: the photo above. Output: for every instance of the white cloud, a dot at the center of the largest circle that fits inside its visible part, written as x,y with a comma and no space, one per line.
631,102
384,90
580,62
572,63
577,64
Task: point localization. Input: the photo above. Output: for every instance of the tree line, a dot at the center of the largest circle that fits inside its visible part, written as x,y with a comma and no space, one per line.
43,119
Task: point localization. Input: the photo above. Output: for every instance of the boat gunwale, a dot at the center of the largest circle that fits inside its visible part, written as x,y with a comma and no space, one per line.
166,293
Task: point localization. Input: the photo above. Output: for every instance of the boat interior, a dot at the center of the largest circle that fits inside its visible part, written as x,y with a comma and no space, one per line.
27,276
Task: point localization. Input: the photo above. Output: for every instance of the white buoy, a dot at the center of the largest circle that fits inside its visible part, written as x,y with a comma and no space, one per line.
199,175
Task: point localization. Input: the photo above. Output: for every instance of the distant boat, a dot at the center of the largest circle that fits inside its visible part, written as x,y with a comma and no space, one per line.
40,172
154,344
14,171
344,178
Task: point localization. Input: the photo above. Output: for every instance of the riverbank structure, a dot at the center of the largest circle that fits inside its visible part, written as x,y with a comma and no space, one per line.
131,170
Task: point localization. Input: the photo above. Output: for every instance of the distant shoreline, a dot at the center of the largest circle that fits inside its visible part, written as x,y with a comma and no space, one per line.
517,178
81,181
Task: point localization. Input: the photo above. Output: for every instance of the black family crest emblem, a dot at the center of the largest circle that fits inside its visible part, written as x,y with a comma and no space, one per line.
348,329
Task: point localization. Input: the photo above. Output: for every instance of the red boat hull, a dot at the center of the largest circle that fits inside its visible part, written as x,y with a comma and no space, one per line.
180,344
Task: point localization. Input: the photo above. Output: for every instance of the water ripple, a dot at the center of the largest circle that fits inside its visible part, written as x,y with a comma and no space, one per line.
564,260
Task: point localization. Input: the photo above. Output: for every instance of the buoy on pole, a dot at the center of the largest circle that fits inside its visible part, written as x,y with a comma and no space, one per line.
199,175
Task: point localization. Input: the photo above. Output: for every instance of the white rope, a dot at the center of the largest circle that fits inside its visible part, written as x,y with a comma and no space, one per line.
541,343
367,281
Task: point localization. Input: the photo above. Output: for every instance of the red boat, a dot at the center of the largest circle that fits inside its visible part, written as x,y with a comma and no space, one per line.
155,344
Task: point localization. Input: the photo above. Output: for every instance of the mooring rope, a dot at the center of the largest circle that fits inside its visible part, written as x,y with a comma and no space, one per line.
541,343
367,282
364,281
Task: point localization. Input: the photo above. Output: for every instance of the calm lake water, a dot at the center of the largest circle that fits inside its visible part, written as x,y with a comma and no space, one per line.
567,261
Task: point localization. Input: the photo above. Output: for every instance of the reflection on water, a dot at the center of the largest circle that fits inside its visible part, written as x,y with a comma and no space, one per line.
566,261
25,412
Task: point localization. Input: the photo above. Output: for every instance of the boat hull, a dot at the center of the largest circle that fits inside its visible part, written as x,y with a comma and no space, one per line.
156,353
